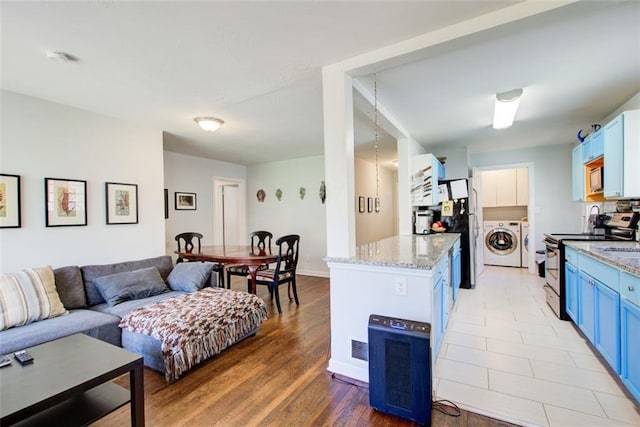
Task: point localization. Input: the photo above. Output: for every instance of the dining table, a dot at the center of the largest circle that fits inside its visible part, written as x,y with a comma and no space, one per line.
250,256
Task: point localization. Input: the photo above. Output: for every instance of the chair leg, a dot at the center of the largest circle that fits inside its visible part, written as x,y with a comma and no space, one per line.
289,291
275,291
221,277
295,290
228,279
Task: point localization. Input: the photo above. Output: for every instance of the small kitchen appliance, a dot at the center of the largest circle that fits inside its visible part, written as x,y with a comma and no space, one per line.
424,221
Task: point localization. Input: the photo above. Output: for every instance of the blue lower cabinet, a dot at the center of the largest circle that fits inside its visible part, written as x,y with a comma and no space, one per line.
571,290
587,305
456,274
437,326
630,346
607,324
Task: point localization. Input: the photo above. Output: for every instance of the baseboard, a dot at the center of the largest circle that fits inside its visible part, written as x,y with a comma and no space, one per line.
314,273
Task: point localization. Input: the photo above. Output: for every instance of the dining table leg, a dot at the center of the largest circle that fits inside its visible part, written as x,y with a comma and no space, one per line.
253,269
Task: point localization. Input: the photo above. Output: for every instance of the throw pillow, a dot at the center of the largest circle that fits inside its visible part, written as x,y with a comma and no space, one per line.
189,276
130,285
70,287
28,296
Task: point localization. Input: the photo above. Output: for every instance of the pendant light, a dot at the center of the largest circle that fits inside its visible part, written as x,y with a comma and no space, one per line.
375,123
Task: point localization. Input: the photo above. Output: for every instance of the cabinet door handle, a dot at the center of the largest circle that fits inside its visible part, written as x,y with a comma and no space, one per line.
631,288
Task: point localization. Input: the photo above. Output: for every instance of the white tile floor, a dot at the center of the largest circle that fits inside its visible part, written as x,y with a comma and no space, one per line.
506,355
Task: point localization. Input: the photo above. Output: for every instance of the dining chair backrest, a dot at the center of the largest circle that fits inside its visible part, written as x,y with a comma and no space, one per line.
261,240
287,253
187,240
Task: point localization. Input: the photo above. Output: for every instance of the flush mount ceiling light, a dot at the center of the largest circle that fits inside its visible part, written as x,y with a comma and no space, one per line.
59,56
505,108
210,124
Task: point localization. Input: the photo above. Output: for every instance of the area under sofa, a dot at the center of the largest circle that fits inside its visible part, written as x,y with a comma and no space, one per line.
89,313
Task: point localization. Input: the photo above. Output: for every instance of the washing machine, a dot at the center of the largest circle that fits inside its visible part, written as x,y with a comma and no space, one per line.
524,243
502,243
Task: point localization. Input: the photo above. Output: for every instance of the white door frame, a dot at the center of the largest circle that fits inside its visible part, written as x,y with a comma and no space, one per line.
531,212
218,183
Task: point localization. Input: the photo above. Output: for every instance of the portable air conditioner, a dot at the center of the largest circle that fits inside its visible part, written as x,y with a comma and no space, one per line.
400,368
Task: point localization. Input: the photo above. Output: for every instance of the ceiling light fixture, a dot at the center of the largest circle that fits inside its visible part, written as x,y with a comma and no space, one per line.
210,124
505,108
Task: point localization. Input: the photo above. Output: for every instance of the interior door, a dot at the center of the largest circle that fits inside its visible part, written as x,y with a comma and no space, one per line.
230,224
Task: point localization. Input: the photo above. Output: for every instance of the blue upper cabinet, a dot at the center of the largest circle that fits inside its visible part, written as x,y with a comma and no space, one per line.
593,147
622,156
577,168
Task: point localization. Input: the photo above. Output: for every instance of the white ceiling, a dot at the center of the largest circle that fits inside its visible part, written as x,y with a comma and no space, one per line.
257,65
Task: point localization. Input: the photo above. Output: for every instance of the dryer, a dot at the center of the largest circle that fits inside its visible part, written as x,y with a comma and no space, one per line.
524,240
502,243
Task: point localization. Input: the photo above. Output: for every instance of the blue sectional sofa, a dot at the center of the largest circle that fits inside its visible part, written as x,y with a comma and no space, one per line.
88,312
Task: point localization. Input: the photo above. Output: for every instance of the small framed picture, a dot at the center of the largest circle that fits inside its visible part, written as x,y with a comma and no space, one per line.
166,203
361,207
65,202
377,204
186,201
122,203
369,204
10,201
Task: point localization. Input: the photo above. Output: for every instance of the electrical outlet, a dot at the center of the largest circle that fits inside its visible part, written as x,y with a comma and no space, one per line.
401,286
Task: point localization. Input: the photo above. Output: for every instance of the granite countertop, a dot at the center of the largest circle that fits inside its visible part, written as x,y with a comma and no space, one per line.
627,261
417,251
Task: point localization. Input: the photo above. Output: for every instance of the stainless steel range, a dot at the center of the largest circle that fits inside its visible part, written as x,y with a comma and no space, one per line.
615,226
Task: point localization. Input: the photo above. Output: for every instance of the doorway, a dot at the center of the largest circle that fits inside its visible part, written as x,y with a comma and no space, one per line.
229,212
517,212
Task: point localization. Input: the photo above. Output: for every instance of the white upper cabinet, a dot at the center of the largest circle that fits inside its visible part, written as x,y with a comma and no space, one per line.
622,156
505,187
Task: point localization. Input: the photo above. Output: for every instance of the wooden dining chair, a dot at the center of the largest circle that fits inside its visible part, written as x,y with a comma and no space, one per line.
260,240
186,240
285,269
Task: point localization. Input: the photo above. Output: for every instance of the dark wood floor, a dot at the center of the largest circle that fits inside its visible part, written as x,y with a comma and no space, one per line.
276,378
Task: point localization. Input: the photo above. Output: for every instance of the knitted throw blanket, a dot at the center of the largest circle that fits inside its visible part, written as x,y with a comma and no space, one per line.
194,327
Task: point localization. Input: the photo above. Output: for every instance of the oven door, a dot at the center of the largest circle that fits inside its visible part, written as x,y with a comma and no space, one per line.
552,266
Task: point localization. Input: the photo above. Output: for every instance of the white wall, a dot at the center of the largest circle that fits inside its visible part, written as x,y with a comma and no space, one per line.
42,139
456,165
374,226
554,210
190,174
291,215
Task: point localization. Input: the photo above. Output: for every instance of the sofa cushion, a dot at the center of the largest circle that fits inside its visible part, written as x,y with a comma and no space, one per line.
70,287
130,285
189,276
127,307
98,325
28,296
91,272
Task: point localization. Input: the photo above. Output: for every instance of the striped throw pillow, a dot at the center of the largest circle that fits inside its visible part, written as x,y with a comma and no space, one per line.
28,296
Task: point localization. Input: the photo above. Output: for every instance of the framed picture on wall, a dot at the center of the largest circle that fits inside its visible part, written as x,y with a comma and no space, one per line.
361,204
186,201
369,204
9,201
377,204
166,203
65,202
122,203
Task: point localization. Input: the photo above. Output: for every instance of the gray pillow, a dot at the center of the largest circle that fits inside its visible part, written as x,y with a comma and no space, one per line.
189,276
130,285
70,287
91,272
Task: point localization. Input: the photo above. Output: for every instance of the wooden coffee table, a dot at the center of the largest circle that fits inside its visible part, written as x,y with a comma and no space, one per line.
69,384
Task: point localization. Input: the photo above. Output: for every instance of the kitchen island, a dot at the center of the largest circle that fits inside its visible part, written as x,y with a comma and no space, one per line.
404,277
602,282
